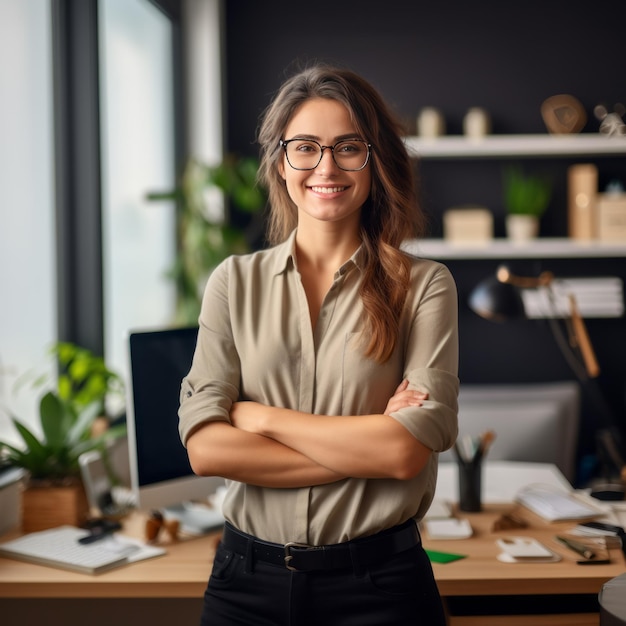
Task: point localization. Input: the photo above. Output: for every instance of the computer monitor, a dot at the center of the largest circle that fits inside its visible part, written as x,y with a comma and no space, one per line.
161,475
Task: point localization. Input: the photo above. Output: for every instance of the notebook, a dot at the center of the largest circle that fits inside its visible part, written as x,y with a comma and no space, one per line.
555,506
59,547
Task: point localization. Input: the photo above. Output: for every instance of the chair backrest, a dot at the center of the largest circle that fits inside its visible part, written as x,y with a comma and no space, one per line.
533,422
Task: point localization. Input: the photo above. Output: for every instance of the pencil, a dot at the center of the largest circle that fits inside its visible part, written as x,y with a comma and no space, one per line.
579,548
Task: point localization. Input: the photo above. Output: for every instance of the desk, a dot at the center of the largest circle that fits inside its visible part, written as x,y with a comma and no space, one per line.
168,590
163,591
480,579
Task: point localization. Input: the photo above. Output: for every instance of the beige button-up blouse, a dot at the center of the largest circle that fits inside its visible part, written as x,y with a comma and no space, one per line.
255,342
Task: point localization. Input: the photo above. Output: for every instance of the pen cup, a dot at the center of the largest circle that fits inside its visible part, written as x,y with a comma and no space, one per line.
470,485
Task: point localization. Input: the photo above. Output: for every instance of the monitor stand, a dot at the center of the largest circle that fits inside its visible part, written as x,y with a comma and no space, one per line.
195,519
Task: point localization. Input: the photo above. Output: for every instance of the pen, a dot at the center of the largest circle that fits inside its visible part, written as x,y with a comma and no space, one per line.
96,536
579,548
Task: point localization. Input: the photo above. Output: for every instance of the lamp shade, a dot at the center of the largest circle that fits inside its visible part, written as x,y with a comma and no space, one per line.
496,301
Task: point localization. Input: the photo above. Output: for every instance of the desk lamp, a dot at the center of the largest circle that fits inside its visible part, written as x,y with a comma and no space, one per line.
497,298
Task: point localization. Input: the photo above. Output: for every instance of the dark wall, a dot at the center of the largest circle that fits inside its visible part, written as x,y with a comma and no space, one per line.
452,55
455,55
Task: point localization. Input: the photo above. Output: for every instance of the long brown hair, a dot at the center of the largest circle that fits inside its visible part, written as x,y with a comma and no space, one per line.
390,215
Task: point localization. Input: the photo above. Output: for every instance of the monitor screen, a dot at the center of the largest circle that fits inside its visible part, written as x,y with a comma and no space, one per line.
160,472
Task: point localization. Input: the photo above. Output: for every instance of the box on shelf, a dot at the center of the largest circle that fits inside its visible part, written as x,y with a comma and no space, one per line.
611,216
468,225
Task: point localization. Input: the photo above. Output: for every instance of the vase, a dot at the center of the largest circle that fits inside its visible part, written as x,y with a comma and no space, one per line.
48,506
522,228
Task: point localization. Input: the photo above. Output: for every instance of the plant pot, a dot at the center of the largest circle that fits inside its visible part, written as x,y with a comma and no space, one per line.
522,228
48,506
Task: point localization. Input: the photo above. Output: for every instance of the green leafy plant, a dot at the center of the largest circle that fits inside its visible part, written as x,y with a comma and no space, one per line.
83,378
66,434
205,233
526,194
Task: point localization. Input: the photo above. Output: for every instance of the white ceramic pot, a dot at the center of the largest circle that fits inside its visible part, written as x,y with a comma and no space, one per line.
522,228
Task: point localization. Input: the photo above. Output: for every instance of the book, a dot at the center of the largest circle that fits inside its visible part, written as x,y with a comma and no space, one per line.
60,547
555,506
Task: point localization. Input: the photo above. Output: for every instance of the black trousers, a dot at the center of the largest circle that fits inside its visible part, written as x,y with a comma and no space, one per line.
396,591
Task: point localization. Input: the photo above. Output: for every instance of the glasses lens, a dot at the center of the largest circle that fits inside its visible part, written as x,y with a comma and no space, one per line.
306,155
351,155
303,155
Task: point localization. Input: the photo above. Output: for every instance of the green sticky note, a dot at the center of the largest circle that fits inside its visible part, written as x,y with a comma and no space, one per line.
443,557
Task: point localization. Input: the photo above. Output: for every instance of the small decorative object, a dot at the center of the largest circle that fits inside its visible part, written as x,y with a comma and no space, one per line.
611,208
430,123
582,189
468,225
611,123
526,199
563,114
156,522
508,521
476,123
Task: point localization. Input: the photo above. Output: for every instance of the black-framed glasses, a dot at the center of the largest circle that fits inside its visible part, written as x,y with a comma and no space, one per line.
350,155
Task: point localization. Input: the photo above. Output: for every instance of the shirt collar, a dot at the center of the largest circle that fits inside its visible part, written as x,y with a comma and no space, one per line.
286,256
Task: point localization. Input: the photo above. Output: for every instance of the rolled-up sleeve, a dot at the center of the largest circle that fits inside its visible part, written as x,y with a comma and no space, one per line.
431,363
212,384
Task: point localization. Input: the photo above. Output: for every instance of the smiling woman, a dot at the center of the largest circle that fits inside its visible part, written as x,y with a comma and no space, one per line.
312,353
339,178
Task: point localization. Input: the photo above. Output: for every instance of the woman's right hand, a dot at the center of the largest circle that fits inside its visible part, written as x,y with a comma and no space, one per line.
403,397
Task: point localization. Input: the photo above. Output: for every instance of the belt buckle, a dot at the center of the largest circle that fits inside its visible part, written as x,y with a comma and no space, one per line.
289,556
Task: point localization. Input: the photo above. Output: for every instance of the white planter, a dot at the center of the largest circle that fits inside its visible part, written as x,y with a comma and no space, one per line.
522,228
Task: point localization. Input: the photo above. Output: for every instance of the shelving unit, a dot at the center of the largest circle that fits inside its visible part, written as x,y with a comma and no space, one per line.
534,146
541,248
450,147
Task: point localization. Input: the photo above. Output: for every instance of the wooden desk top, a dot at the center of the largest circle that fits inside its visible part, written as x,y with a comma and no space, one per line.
482,574
184,571
181,573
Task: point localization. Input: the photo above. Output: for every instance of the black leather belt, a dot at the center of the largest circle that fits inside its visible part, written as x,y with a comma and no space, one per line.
304,558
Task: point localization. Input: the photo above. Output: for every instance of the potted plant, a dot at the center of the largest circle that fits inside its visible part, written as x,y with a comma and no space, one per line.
206,231
53,493
526,198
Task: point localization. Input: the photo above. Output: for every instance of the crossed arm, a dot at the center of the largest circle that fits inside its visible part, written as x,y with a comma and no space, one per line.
275,447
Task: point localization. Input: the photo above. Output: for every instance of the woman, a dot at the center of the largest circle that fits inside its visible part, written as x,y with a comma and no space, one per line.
325,377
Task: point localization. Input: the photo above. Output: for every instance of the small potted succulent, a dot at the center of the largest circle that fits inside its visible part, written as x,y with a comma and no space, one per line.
526,198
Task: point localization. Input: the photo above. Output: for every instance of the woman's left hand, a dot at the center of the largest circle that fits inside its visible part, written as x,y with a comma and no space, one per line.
403,397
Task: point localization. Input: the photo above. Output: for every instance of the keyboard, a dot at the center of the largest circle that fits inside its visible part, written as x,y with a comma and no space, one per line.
59,547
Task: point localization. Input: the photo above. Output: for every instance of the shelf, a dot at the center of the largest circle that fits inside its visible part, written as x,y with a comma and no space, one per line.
458,146
501,248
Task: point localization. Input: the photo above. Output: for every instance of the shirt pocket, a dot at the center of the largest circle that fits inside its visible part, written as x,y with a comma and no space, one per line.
366,384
